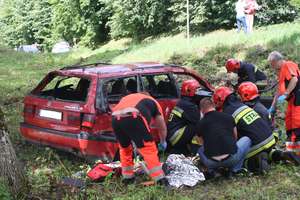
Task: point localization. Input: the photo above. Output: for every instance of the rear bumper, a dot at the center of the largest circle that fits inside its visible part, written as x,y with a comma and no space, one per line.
100,145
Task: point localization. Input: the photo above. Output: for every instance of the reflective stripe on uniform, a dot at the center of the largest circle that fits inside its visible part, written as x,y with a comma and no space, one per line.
128,176
266,144
128,168
241,112
154,169
255,69
177,135
177,111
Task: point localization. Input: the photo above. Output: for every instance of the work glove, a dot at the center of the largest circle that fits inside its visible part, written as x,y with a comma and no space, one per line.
271,110
162,146
282,98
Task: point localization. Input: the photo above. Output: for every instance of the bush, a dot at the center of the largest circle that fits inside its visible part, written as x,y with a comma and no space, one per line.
275,12
138,19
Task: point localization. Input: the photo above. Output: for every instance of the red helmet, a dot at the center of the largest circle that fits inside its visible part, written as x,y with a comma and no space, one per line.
220,96
232,65
248,91
189,88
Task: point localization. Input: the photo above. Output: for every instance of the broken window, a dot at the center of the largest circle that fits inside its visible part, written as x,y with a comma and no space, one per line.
65,88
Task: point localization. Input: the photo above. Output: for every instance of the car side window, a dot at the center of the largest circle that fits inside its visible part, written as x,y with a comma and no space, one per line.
160,86
117,88
180,78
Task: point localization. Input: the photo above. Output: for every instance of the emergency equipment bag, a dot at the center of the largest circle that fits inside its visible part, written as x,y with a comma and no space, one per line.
99,172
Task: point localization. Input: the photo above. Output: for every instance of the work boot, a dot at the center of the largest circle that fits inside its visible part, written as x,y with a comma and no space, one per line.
263,165
128,181
163,182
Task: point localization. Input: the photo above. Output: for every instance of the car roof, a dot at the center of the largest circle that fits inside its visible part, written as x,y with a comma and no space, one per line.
107,69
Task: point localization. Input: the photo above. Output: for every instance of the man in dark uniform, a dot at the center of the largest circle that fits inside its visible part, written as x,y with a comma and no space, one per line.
249,124
248,92
245,71
184,118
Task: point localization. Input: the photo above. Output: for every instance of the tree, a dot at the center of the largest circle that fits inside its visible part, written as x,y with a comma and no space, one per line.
10,169
138,19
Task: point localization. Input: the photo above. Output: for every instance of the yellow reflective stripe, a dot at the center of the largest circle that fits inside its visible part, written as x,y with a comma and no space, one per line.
267,143
177,135
177,111
239,116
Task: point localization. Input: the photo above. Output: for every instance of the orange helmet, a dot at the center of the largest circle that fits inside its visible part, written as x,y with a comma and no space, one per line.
248,91
189,88
220,96
232,65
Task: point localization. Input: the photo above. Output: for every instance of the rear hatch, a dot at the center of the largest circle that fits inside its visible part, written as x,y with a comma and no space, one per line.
59,103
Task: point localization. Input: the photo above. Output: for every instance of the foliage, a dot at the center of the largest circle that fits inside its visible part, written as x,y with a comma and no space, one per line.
92,22
42,165
138,19
178,17
295,3
276,11
4,192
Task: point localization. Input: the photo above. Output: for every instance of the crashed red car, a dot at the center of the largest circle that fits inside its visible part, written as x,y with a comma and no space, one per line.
70,109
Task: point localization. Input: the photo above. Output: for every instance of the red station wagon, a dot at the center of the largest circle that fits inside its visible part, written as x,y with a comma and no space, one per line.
70,109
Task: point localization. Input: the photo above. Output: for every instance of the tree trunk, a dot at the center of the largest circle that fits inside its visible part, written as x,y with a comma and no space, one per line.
10,169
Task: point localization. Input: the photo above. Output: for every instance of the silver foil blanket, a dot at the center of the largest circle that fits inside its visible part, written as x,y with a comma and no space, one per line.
180,171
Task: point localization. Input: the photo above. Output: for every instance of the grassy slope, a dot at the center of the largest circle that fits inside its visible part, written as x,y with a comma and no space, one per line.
19,72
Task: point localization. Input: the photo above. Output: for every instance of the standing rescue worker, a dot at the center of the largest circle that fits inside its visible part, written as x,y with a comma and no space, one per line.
288,73
249,124
130,120
184,118
245,71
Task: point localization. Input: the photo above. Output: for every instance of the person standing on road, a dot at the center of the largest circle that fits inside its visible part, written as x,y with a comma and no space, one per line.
288,90
221,148
251,8
131,119
241,22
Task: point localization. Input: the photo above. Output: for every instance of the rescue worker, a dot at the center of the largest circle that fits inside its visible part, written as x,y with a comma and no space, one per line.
288,73
248,92
249,124
245,71
131,119
184,118
221,147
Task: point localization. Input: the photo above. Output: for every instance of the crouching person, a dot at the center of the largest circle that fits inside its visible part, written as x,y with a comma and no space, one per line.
250,124
184,118
221,148
130,121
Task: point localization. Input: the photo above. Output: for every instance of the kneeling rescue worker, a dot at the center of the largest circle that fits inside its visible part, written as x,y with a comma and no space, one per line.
184,118
245,71
130,120
248,92
249,124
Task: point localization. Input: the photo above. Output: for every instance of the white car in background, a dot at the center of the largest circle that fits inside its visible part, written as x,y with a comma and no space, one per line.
61,47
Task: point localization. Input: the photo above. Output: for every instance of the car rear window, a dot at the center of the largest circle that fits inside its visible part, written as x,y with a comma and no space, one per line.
65,88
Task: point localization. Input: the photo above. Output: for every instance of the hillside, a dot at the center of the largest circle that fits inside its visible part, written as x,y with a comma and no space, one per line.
20,72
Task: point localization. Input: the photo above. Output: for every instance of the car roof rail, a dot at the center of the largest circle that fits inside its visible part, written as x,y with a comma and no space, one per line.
77,66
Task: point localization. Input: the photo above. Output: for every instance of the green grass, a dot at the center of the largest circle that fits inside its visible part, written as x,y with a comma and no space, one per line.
20,72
